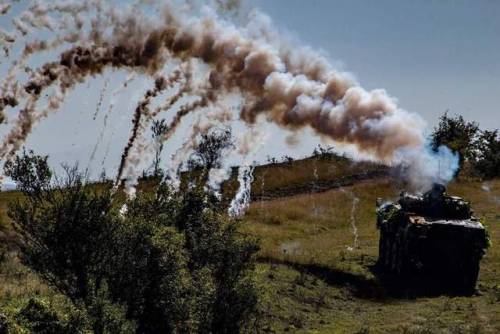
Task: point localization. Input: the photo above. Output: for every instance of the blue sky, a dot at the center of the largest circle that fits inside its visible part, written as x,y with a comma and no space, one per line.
431,55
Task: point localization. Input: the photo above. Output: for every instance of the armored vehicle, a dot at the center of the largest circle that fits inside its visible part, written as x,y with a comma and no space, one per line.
432,241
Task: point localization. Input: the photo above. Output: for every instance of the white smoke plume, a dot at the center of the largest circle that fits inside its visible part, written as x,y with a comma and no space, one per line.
424,166
241,201
112,103
248,145
291,86
355,201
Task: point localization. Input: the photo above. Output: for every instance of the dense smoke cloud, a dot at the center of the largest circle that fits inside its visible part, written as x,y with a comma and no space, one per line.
291,86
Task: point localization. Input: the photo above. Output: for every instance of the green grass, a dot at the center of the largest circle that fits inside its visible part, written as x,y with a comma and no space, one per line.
311,277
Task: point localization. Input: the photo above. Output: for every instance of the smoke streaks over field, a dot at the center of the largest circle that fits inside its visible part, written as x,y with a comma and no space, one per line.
198,60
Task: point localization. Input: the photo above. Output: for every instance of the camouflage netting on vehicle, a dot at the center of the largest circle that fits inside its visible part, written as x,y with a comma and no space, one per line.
431,242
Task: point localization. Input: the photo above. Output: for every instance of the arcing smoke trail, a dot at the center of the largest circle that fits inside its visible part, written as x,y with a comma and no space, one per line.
97,109
293,87
101,97
112,102
141,110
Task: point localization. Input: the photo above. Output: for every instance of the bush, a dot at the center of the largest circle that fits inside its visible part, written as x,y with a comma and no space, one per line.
487,163
106,316
39,318
209,150
206,282
173,262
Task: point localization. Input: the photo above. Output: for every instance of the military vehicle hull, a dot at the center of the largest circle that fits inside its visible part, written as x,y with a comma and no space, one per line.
430,251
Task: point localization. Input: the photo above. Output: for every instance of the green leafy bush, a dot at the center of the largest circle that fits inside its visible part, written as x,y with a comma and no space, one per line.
38,317
173,262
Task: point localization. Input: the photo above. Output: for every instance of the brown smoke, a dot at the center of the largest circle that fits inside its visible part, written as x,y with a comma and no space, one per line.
293,87
4,8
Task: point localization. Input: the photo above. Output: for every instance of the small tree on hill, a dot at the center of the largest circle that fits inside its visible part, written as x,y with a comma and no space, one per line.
158,129
31,172
209,151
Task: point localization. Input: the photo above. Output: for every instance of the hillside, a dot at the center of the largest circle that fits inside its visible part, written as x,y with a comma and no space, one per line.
314,274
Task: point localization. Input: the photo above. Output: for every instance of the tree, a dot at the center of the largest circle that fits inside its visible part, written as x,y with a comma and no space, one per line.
209,151
487,163
458,135
31,171
158,129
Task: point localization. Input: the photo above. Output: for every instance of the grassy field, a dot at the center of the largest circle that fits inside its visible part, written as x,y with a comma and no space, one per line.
315,275
319,282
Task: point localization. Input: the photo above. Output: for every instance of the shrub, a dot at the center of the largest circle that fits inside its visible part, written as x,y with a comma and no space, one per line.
213,263
38,317
173,262
106,316
66,231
